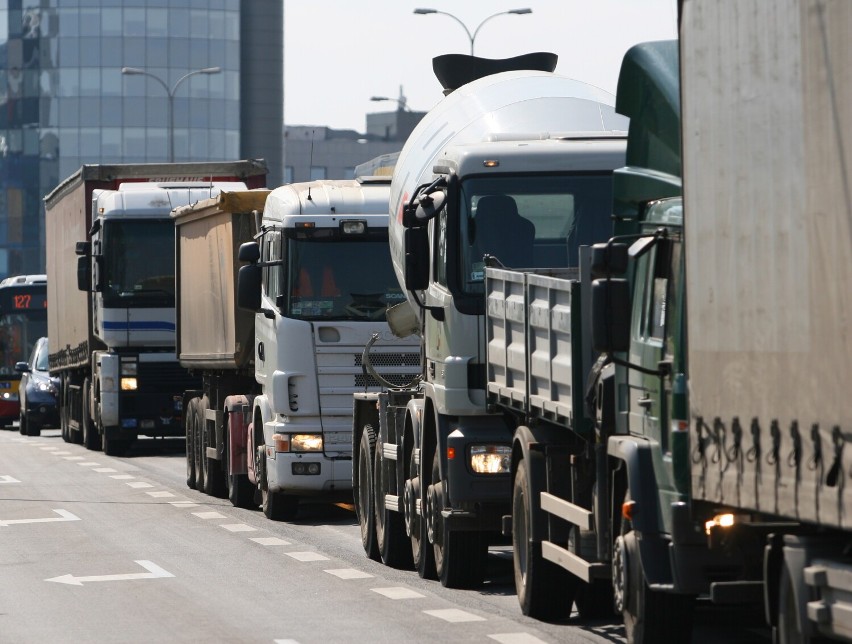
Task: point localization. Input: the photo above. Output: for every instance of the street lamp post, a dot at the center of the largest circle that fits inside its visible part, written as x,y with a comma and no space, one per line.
472,37
130,71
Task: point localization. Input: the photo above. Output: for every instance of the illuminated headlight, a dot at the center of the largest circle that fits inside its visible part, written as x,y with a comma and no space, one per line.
306,442
720,521
490,459
7,395
47,386
353,227
129,384
128,369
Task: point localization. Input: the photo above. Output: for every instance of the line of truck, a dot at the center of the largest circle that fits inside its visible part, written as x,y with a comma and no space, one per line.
611,329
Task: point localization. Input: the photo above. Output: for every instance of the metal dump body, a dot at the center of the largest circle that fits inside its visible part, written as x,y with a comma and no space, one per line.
212,332
537,352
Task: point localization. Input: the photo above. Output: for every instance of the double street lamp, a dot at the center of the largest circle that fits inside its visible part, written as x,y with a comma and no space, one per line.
472,37
170,92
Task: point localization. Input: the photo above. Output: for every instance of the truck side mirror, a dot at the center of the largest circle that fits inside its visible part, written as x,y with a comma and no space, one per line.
249,252
82,248
416,258
84,274
609,259
248,286
610,315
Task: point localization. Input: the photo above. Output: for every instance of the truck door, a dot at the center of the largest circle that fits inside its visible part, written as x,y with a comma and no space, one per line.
647,348
264,328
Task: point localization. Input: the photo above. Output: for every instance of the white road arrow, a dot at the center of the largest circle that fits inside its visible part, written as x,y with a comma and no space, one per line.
5,478
154,572
64,515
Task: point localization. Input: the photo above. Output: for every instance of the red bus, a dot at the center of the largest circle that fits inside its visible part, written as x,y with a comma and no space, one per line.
23,320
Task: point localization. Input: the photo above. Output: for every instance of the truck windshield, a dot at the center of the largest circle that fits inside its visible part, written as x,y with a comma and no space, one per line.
530,221
333,279
138,263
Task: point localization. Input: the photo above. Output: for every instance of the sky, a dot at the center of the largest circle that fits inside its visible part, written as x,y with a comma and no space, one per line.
339,53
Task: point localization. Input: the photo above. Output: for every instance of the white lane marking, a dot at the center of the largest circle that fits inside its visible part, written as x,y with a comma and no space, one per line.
104,470
270,541
516,638
138,484
49,448
183,504
73,458
160,494
154,572
89,464
209,515
61,453
123,477
454,615
238,527
307,556
5,478
349,573
398,592
285,641
64,515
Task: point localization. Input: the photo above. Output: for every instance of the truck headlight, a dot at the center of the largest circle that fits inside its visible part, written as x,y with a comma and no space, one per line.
306,442
129,384
490,459
128,368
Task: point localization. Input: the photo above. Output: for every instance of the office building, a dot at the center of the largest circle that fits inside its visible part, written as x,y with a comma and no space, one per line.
212,90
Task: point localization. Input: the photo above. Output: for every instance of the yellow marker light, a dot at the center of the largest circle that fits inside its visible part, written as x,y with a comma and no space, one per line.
306,442
305,224
628,509
491,163
281,442
490,459
720,521
129,384
451,453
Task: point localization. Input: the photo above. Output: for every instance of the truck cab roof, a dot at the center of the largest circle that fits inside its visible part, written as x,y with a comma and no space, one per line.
327,202
155,199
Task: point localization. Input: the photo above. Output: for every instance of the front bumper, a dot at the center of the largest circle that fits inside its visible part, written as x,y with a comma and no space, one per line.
335,474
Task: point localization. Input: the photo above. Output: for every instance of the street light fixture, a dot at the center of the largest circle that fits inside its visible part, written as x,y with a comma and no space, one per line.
135,71
472,37
402,102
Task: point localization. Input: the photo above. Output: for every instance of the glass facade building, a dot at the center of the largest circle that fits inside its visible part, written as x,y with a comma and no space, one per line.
64,100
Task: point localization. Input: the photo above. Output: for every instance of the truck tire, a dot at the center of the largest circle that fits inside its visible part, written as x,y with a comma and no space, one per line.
362,492
91,438
545,591
114,446
188,423
240,490
212,477
788,630
277,506
391,539
649,616
422,553
22,423
460,556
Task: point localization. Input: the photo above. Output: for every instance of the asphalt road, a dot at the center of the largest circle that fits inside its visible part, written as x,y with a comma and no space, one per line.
103,549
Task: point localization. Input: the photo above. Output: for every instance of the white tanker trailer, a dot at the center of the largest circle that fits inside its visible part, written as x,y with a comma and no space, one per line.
512,168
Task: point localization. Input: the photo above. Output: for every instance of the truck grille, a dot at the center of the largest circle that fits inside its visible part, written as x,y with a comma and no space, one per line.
165,378
391,359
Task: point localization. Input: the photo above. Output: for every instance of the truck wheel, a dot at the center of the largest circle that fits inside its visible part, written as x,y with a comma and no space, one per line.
788,631
649,616
276,506
214,478
91,438
198,444
22,423
240,490
113,446
460,556
188,420
536,579
362,492
390,526
421,550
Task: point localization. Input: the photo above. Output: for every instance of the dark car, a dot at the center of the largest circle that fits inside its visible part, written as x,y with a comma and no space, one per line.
38,391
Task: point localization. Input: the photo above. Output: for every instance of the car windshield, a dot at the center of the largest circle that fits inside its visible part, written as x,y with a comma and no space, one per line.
40,360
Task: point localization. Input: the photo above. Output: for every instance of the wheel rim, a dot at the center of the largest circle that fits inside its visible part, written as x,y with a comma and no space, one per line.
363,491
619,574
520,538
